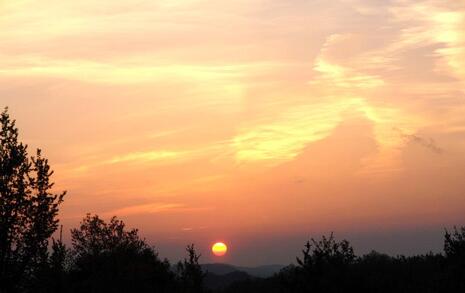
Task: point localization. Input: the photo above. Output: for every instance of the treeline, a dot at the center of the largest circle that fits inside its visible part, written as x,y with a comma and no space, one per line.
330,266
108,257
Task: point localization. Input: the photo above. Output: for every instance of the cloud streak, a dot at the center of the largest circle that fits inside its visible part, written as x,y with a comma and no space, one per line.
155,208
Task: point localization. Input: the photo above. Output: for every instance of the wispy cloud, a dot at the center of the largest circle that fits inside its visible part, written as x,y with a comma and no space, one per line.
428,143
146,157
155,208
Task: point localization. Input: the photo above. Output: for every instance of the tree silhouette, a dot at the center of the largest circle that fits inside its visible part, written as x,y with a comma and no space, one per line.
109,258
58,266
28,208
454,243
190,273
324,265
59,258
331,266
52,276
454,248
95,237
326,251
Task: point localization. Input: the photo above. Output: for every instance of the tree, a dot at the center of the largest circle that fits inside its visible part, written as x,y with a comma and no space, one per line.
454,244
58,266
454,248
110,258
325,252
59,258
95,237
325,264
28,208
190,272
52,276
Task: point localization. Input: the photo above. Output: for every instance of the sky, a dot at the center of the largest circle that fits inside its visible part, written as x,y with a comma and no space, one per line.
259,123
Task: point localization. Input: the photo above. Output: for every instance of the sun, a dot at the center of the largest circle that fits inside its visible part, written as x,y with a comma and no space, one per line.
219,249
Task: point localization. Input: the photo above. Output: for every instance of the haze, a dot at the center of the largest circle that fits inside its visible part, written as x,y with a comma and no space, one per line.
257,123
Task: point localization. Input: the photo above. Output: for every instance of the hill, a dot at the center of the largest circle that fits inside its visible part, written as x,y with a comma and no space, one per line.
213,281
258,271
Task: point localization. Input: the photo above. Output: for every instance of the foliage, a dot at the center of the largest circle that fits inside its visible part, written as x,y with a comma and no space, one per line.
330,266
59,259
28,209
326,252
109,258
454,249
454,244
96,237
189,272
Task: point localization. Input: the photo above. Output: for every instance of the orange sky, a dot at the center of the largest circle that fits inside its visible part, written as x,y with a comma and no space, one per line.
248,122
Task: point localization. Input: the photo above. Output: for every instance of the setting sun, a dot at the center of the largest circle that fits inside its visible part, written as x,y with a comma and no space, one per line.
219,249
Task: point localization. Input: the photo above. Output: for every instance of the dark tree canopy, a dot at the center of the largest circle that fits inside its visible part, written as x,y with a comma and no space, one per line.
454,244
190,273
107,257
331,266
326,252
95,237
324,266
28,208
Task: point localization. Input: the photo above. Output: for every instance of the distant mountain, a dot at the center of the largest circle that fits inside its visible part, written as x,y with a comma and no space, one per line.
219,268
259,271
264,271
214,281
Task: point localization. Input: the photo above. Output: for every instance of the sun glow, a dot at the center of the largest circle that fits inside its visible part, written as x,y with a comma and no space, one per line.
219,249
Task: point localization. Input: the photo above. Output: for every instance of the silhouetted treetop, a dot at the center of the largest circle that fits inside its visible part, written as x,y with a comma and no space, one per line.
107,257
326,251
28,208
95,236
189,272
454,244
